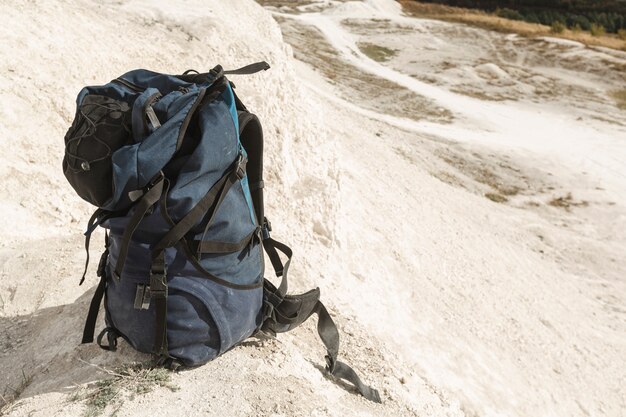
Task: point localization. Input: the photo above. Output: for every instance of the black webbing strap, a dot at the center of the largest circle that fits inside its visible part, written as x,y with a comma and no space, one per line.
210,246
193,76
94,307
91,226
216,193
98,217
158,293
329,334
249,69
270,246
152,194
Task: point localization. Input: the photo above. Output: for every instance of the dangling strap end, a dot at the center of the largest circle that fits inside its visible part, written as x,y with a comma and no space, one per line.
345,372
330,363
249,69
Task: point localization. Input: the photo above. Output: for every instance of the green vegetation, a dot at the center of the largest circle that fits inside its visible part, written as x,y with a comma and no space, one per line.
557,27
509,14
597,30
490,21
608,14
376,52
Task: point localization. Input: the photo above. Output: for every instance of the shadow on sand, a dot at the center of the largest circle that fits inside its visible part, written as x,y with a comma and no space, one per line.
41,353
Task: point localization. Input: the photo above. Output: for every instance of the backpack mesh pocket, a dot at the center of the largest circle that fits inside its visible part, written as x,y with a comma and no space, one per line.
101,126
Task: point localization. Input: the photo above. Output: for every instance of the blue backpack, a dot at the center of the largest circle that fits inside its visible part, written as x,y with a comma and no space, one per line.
174,164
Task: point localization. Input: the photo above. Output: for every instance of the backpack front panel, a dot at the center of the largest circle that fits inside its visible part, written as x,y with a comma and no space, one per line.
214,300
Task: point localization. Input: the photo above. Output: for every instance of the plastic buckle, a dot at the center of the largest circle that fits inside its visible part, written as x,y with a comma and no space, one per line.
217,72
241,166
266,228
158,284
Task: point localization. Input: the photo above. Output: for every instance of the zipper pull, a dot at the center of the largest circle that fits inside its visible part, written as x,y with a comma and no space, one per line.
153,118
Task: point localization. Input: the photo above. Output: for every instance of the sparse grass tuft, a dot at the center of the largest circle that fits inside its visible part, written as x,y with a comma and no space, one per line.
125,382
376,52
498,198
567,202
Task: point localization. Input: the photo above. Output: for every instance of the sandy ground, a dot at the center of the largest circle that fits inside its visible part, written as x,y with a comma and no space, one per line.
460,203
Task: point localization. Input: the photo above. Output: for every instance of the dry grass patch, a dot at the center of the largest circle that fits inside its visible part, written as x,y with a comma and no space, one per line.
492,22
483,173
124,383
567,202
620,98
496,198
377,52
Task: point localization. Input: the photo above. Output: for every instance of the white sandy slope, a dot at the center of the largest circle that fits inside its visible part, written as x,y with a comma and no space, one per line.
449,303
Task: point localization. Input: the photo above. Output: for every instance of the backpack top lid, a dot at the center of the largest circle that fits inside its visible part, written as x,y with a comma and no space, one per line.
108,160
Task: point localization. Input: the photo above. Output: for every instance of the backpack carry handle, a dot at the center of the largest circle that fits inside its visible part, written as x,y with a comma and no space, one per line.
193,76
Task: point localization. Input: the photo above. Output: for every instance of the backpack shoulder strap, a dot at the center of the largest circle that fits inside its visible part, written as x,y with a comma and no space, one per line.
251,138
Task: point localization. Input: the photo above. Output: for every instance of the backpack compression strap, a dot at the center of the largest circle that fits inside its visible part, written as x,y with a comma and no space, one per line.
158,271
285,312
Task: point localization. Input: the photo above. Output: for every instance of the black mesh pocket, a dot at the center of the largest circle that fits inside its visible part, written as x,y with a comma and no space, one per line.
101,126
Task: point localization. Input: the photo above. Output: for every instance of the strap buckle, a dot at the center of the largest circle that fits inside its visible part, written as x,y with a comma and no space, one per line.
158,283
266,228
241,166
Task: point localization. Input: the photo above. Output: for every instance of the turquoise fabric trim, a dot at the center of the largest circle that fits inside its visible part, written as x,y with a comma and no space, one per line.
229,99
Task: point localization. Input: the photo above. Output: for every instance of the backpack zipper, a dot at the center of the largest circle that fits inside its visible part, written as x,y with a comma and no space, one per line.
129,85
